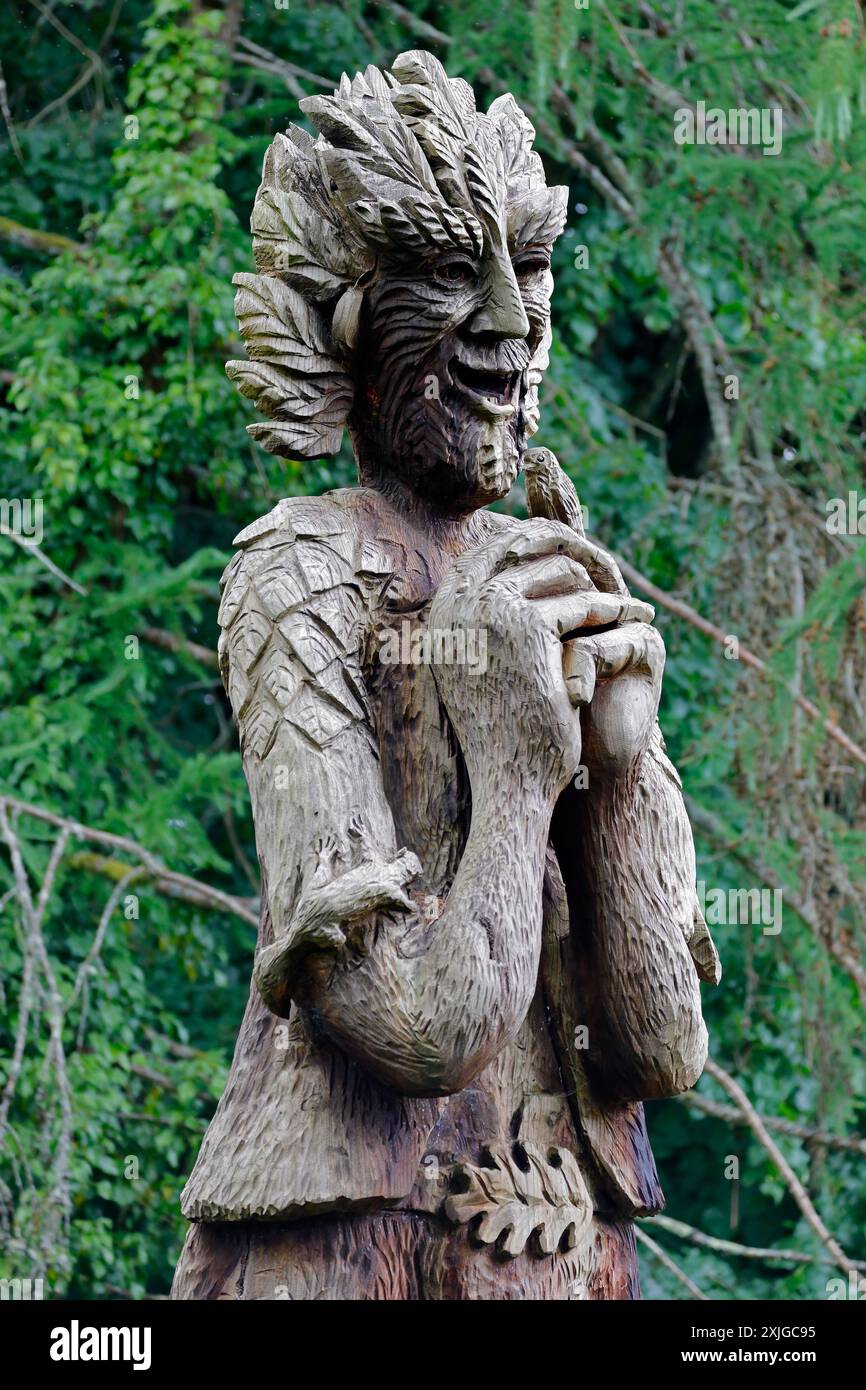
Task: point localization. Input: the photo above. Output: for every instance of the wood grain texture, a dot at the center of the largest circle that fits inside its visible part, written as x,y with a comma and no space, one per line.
402,1256
473,964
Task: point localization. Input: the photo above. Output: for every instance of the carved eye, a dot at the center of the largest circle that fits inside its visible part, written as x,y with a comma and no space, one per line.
530,263
457,272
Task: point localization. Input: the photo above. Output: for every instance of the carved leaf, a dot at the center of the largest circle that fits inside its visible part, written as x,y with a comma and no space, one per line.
417,224
311,414
292,376
281,660
260,383
539,217
485,175
297,232
293,241
300,439
426,90
383,146
550,1198
524,170
281,327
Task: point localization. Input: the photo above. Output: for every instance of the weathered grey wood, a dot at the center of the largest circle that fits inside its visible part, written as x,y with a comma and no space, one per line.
480,941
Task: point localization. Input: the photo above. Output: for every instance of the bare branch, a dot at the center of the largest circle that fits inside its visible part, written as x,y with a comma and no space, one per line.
748,658
850,1143
28,985
414,23
170,642
90,959
254,56
43,559
730,1247
662,94
795,1187
7,118
35,240
166,881
35,950
847,956
93,65
664,1258
156,636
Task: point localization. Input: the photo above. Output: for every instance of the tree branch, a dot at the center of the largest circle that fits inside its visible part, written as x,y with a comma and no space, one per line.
35,240
684,610
730,1247
43,559
719,1111
156,636
795,1187
664,1258
845,956
414,23
254,56
166,881
170,642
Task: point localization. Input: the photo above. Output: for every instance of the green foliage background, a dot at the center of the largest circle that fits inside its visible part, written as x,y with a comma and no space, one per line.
116,411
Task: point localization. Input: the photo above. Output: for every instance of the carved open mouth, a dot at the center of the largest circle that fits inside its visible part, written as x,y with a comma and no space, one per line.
493,392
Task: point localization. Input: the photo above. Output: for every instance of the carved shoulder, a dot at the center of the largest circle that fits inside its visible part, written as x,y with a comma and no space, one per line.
294,613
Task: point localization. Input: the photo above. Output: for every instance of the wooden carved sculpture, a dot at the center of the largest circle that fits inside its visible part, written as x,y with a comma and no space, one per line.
480,941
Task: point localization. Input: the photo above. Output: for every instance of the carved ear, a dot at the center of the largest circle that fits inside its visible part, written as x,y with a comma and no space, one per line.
293,375
347,317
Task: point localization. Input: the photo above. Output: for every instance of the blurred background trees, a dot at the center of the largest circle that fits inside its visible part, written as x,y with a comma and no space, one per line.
706,394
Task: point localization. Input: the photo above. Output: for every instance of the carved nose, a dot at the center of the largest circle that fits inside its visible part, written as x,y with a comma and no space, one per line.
502,312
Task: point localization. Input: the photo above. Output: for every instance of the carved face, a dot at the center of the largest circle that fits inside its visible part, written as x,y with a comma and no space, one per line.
404,284
445,399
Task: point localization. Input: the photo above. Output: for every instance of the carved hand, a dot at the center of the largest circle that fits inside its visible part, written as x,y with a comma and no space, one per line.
616,675
621,672
322,917
525,590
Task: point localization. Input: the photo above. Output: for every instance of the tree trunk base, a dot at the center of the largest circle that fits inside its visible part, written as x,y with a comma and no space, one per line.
400,1256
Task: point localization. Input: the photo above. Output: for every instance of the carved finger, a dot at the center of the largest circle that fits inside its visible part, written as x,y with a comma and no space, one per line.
476,567
537,538
602,567
570,612
632,647
600,564
580,671
549,577
545,536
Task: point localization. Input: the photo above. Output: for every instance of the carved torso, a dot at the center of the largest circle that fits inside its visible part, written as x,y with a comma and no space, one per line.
300,1128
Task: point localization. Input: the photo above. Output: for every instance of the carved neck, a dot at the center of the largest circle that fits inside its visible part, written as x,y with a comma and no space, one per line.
439,523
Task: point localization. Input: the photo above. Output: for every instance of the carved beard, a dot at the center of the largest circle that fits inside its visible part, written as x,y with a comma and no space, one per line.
433,407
